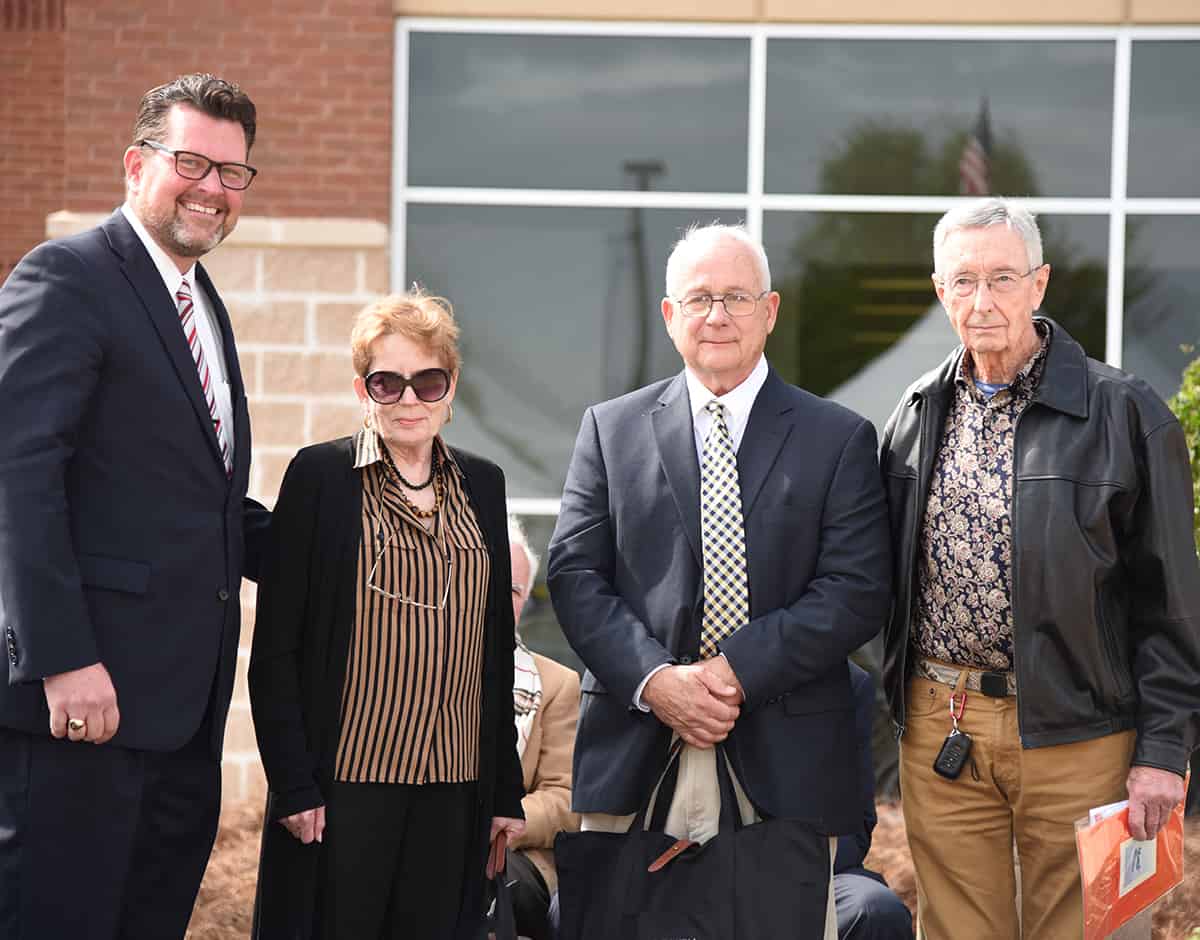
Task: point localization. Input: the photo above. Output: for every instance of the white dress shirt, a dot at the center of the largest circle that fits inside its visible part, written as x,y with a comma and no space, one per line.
206,323
738,402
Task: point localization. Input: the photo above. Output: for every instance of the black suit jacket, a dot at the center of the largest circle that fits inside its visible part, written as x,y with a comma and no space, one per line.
625,577
302,639
121,539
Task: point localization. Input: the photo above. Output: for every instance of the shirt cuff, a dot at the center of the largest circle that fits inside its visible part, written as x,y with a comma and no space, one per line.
637,694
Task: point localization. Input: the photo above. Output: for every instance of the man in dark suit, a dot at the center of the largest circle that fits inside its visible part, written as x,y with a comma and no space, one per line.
124,534
721,547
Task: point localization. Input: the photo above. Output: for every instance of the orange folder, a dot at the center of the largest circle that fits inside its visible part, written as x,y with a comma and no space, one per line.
1122,877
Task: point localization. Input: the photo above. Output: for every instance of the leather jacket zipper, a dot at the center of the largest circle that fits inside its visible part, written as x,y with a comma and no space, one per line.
1012,581
909,561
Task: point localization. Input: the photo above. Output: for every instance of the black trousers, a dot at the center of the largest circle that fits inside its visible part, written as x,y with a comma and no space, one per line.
100,842
395,860
530,896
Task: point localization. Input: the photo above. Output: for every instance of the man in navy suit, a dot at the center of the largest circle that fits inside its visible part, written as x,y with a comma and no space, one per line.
721,547
124,534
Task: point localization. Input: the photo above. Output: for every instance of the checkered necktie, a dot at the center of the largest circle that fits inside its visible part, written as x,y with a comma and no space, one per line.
726,597
187,319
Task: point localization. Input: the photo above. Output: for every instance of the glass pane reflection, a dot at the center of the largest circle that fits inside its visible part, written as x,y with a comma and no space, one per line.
568,112
1162,298
878,116
859,319
1164,119
559,310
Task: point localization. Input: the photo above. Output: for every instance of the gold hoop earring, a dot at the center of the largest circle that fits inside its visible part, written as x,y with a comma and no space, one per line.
366,420
449,413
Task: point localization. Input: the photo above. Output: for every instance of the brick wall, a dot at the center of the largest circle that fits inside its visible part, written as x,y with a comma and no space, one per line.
320,72
32,44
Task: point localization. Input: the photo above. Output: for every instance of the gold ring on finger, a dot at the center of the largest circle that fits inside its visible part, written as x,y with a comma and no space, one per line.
76,724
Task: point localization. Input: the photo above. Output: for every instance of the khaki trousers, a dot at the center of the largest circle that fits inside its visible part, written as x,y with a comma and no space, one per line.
962,832
696,810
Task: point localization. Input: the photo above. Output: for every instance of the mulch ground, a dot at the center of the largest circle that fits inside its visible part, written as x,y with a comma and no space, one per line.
223,909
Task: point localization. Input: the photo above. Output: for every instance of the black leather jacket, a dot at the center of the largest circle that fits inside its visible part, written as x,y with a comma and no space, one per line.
1105,581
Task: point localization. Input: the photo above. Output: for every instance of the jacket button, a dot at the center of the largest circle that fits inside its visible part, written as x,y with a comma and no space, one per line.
222,595
685,660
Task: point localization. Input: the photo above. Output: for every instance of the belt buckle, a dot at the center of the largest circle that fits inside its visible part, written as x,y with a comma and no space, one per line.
993,684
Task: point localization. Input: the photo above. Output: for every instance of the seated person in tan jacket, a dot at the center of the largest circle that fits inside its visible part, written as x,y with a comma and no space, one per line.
546,708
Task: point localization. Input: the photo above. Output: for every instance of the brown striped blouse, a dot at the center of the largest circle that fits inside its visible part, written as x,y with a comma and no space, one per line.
412,697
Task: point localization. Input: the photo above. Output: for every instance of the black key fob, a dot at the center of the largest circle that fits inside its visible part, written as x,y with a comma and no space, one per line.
953,756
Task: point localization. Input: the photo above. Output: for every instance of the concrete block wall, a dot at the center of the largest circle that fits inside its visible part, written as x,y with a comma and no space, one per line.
292,287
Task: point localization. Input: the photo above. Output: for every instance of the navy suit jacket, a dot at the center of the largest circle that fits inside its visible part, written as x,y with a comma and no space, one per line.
852,848
121,539
625,577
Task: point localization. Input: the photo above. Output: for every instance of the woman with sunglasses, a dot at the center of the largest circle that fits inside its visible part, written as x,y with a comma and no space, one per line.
380,678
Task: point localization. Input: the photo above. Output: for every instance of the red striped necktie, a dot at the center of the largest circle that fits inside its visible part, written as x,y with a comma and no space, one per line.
187,319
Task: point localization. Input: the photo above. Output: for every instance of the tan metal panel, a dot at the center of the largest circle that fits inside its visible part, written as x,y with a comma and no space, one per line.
694,10
952,11
1164,11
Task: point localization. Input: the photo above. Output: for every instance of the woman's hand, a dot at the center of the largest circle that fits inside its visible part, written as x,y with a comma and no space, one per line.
513,828
309,826
504,830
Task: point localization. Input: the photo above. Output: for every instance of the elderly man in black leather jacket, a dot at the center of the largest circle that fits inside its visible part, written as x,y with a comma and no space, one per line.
1047,594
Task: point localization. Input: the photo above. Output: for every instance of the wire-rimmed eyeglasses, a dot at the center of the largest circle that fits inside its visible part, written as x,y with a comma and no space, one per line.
736,303
440,606
998,282
196,166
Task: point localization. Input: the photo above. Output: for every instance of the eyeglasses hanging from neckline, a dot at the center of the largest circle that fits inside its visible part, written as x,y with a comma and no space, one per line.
440,606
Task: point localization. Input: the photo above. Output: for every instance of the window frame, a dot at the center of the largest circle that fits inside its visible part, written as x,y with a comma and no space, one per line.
1117,206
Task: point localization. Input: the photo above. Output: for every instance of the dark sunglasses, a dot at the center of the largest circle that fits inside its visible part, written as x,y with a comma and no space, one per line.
387,388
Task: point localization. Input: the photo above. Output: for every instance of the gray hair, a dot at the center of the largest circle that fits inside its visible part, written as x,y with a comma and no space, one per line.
992,211
517,536
703,236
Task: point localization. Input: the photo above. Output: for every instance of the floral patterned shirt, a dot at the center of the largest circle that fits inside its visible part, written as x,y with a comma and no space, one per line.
963,602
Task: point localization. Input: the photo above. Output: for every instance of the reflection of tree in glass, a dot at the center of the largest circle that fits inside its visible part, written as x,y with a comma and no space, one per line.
881,157
853,284
1160,305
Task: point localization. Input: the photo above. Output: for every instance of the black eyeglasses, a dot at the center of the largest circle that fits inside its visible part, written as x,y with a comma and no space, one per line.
387,388
196,166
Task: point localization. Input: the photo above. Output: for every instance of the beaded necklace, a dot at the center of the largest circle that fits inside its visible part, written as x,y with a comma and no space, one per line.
435,477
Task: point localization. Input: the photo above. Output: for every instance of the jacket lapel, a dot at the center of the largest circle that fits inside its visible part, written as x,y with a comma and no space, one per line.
672,423
160,306
770,424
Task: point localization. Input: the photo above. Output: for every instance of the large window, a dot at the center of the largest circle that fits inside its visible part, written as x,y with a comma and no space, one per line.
543,171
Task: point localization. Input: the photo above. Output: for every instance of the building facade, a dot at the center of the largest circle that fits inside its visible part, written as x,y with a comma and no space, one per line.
533,160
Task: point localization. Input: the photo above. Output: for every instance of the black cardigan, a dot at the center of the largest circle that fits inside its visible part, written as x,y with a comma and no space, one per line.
301,644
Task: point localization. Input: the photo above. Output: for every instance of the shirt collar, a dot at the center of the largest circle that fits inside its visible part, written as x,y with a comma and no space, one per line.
368,449
1027,375
738,401
167,268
